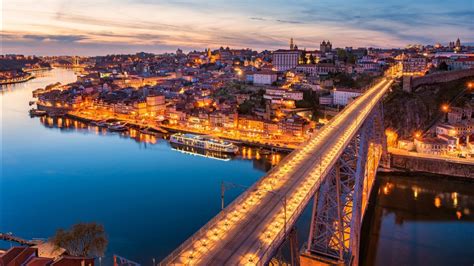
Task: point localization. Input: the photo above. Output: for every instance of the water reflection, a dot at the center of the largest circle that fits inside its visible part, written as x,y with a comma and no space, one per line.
420,220
263,159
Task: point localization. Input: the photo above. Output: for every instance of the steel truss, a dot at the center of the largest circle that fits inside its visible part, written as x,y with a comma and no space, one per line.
340,203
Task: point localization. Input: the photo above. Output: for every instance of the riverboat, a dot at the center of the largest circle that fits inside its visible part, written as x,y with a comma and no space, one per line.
204,142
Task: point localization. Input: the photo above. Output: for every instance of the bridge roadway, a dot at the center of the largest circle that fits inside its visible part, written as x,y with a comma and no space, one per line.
253,226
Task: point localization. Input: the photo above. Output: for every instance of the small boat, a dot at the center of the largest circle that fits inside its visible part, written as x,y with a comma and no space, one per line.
102,124
118,126
36,112
31,103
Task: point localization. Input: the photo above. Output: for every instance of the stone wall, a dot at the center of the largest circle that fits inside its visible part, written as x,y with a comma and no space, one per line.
441,77
441,167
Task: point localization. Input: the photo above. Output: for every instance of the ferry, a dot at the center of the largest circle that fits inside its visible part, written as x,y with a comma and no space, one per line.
204,142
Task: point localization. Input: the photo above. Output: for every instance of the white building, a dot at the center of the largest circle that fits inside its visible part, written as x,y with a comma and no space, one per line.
285,59
344,96
283,94
264,78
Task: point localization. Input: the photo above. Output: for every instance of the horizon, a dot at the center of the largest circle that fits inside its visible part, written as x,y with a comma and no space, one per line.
87,28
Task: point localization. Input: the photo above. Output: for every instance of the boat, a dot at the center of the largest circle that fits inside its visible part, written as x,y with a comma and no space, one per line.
36,112
204,142
118,126
102,124
31,103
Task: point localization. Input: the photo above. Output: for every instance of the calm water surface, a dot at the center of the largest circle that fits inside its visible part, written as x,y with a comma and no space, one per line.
150,198
420,220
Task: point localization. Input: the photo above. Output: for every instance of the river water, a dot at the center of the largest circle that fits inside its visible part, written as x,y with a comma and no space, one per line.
149,197
56,172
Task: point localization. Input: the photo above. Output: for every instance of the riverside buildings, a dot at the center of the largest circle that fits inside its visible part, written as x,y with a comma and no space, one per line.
234,93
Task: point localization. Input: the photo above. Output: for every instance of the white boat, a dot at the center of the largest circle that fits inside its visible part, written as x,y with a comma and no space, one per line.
204,142
117,127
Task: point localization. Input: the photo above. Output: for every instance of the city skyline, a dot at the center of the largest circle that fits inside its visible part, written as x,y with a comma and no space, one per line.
57,27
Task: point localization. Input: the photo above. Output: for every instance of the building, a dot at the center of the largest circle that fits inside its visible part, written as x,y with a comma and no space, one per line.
264,77
156,105
344,96
293,126
325,47
317,69
283,60
28,256
414,66
434,146
276,93
326,100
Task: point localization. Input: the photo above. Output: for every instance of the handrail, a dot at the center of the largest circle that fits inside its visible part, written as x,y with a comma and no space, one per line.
329,126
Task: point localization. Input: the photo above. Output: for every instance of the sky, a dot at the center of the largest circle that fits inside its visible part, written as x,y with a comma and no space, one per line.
99,27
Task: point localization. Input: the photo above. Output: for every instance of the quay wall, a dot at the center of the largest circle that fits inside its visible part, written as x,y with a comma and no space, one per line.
429,165
441,77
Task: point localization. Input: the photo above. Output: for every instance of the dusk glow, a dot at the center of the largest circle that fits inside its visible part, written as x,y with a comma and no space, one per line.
237,132
55,27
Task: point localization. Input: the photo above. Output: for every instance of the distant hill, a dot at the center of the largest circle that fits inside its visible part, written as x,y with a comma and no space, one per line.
13,64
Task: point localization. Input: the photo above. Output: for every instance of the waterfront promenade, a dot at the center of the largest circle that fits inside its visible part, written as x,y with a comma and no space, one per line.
279,144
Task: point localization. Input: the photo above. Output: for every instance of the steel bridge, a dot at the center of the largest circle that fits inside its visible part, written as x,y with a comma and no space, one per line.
336,168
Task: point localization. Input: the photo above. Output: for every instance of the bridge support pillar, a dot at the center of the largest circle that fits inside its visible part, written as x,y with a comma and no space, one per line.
340,203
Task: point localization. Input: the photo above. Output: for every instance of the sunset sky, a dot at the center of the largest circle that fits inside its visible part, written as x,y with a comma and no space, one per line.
95,27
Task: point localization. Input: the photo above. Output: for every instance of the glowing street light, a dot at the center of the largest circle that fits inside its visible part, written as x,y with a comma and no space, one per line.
445,107
417,134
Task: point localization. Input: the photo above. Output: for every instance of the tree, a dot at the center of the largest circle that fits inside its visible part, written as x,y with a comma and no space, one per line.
302,59
312,60
443,66
246,107
83,239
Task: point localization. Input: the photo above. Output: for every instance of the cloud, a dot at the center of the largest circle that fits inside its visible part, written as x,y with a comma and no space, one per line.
54,38
159,25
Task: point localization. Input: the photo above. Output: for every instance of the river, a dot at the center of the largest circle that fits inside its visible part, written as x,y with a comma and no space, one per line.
150,197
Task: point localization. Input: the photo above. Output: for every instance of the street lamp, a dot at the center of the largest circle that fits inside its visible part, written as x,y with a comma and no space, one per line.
445,108
417,134
281,198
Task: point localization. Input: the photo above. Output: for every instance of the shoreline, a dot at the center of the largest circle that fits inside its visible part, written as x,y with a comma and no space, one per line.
168,130
20,80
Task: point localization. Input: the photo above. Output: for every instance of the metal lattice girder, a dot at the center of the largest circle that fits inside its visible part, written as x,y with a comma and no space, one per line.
339,204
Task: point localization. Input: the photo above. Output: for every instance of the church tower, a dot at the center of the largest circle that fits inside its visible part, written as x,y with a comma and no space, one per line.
292,46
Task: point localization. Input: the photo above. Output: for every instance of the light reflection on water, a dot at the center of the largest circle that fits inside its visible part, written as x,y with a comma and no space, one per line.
420,220
57,171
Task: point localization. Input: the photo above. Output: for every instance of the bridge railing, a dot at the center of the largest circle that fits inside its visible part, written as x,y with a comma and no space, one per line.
240,199
295,215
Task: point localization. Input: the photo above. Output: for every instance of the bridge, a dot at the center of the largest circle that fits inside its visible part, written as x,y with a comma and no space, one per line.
336,168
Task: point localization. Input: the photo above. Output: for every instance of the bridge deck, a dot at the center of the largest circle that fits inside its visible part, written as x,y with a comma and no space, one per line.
252,227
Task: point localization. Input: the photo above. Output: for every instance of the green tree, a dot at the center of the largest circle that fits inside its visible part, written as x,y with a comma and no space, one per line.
246,107
83,239
312,60
302,59
443,66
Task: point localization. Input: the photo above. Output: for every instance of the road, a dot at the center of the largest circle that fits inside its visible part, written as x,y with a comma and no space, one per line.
252,227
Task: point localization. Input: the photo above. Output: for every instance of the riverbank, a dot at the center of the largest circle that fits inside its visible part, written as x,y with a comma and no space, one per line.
17,80
407,162
167,129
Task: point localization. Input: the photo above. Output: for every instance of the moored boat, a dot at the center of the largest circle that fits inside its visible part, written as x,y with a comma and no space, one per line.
36,112
118,126
204,142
